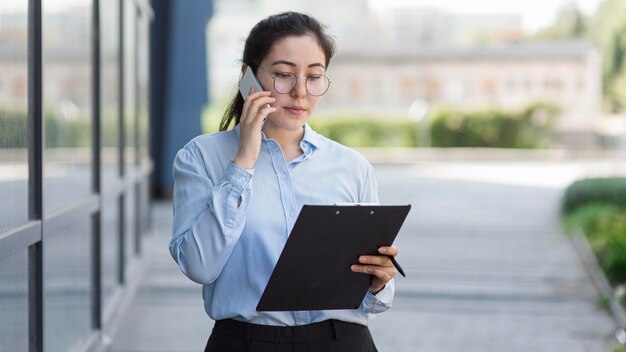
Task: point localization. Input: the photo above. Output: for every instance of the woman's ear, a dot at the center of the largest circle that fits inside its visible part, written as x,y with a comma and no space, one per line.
243,69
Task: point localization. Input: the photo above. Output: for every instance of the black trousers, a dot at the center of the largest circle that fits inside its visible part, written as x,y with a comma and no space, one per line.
326,336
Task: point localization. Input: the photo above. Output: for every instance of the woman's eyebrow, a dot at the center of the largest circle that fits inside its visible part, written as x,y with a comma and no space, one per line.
289,63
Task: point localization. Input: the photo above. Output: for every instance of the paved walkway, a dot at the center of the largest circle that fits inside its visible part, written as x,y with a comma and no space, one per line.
488,267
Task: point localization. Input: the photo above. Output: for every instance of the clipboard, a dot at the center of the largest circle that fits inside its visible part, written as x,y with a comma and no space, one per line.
313,271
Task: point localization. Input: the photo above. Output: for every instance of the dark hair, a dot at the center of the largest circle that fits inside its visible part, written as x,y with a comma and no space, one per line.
261,39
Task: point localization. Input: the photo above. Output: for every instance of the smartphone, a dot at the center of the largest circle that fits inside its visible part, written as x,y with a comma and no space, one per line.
248,80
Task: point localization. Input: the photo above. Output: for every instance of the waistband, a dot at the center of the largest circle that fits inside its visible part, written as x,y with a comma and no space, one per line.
327,329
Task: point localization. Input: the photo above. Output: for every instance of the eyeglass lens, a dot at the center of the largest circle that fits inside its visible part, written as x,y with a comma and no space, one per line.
315,84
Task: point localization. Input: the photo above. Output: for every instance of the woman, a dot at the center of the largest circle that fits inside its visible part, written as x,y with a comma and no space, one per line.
237,195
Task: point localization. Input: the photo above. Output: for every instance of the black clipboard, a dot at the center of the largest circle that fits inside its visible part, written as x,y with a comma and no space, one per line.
313,270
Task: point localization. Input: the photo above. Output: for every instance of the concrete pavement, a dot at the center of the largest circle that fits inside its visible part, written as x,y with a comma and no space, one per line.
488,268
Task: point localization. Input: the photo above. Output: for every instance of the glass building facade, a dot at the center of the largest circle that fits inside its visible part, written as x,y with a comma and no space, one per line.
74,167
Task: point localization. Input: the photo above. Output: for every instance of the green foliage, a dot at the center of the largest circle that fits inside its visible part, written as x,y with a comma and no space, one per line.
598,207
528,128
59,132
367,131
64,133
570,23
605,228
606,29
619,348
610,190
13,128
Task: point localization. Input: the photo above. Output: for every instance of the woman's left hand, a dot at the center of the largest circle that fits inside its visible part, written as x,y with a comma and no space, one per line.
379,266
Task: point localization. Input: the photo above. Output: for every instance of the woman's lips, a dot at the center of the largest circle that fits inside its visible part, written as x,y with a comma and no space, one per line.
295,110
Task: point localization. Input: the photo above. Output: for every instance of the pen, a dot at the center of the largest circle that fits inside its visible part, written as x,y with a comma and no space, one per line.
396,264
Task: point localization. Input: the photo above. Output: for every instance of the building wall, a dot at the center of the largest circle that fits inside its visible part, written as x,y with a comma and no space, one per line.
391,84
74,167
386,59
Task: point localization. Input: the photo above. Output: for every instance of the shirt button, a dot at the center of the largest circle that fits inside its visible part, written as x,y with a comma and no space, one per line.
283,176
292,213
242,179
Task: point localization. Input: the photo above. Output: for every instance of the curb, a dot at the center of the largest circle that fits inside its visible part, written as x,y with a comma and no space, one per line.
589,261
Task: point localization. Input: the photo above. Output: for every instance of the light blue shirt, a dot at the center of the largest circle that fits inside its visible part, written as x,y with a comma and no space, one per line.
231,224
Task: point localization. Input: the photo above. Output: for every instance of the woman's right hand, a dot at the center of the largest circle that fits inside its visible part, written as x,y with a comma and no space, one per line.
255,111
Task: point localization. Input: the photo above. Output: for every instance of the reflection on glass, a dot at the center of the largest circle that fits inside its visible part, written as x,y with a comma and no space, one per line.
14,302
130,220
67,286
67,101
144,206
109,92
143,72
109,116
110,249
13,114
130,96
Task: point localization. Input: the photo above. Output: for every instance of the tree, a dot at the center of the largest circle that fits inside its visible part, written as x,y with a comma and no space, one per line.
570,24
607,30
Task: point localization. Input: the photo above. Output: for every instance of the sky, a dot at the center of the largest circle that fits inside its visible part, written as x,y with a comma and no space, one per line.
535,14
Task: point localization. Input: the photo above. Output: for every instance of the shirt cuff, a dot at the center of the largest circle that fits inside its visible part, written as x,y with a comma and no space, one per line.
381,301
238,176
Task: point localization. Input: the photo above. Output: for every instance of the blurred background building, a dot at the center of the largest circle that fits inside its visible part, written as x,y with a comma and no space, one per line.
389,57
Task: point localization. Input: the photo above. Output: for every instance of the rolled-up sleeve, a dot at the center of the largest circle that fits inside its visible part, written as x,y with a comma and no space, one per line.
209,215
381,301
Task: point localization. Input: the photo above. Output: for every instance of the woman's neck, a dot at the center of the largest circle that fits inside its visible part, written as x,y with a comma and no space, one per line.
289,141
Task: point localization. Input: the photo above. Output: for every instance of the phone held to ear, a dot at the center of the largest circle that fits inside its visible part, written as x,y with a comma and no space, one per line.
248,80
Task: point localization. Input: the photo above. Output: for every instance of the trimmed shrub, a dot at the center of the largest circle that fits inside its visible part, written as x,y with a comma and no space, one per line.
528,128
610,190
13,128
367,131
604,226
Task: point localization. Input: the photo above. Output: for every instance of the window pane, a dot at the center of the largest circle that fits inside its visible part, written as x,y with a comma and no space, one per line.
143,72
130,96
67,286
67,101
13,113
14,302
110,249
130,221
109,94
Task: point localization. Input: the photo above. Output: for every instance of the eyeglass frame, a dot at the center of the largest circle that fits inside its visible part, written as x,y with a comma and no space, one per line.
306,79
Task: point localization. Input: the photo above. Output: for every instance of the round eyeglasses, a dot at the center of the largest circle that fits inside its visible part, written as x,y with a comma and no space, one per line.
285,82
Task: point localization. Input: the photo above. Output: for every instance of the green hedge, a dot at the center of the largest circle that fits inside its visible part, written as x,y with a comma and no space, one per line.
59,132
367,131
611,190
528,128
13,128
604,225
598,207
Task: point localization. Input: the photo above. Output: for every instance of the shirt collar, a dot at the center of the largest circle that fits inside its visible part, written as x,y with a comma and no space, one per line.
310,136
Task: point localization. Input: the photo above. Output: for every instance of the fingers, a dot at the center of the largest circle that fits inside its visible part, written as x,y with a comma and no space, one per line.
256,107
379,266
389,250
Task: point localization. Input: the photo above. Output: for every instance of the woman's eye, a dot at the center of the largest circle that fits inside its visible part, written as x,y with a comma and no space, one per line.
283,74
314,77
